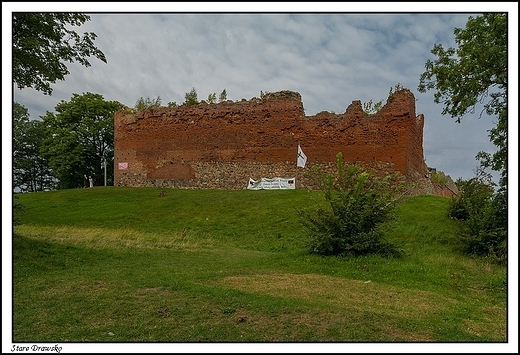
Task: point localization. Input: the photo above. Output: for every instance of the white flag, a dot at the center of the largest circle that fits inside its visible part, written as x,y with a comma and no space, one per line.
302,158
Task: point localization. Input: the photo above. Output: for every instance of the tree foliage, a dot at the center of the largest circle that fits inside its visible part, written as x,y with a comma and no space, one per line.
143,104
78,137
358,204
31,171
475,73
190,98
43,42
483,216
223,96
212,98
371,107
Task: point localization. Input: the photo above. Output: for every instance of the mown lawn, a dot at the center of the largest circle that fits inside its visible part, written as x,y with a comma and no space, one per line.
129,265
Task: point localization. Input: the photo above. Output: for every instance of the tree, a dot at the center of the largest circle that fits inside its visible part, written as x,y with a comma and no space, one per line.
223,96
190,98
31,172
483,218
212,98
142,104
42,43
371,107
475,73
80,136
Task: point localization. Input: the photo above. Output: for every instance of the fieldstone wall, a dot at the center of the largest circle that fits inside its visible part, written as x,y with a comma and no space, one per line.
221,146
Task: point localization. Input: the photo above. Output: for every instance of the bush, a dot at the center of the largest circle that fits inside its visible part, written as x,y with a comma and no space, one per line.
473,196
358,205
212,98
439,177
483,216
190,98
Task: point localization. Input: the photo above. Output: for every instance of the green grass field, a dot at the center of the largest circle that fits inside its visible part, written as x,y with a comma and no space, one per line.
128,265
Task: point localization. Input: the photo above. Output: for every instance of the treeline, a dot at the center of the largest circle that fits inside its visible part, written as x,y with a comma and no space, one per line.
76,141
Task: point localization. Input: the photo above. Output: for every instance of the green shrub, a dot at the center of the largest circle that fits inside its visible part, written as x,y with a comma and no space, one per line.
439,177
483,216
212,98
142,104
371,107
358,204
223,96
473,196
190,98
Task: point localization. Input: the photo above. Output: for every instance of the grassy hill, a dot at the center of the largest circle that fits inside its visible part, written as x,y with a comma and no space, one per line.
134,264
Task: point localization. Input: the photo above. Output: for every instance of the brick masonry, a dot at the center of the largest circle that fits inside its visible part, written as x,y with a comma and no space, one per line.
222,145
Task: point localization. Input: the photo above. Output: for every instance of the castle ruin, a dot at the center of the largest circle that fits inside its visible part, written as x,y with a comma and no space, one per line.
222,145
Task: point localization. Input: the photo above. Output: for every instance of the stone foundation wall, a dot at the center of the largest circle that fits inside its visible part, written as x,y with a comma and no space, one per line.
235,175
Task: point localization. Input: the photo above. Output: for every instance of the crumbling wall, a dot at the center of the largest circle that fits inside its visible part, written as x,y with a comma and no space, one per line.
222,145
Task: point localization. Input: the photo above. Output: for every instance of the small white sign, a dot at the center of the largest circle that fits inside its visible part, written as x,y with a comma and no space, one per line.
272,184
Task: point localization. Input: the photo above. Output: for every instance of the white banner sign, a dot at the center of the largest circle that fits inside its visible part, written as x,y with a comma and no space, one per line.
272,184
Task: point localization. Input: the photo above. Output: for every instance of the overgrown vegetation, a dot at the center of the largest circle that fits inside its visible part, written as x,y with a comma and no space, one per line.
371,107
212,98
190,98
359,204
143,104
439,177
483,213
396,88
223,96
263,94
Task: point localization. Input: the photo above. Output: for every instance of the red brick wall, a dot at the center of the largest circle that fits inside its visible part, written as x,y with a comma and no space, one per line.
223,145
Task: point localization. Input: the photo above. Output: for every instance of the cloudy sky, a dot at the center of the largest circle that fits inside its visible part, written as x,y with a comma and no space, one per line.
330,58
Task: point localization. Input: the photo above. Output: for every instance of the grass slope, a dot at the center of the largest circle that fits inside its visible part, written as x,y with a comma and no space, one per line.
127,264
